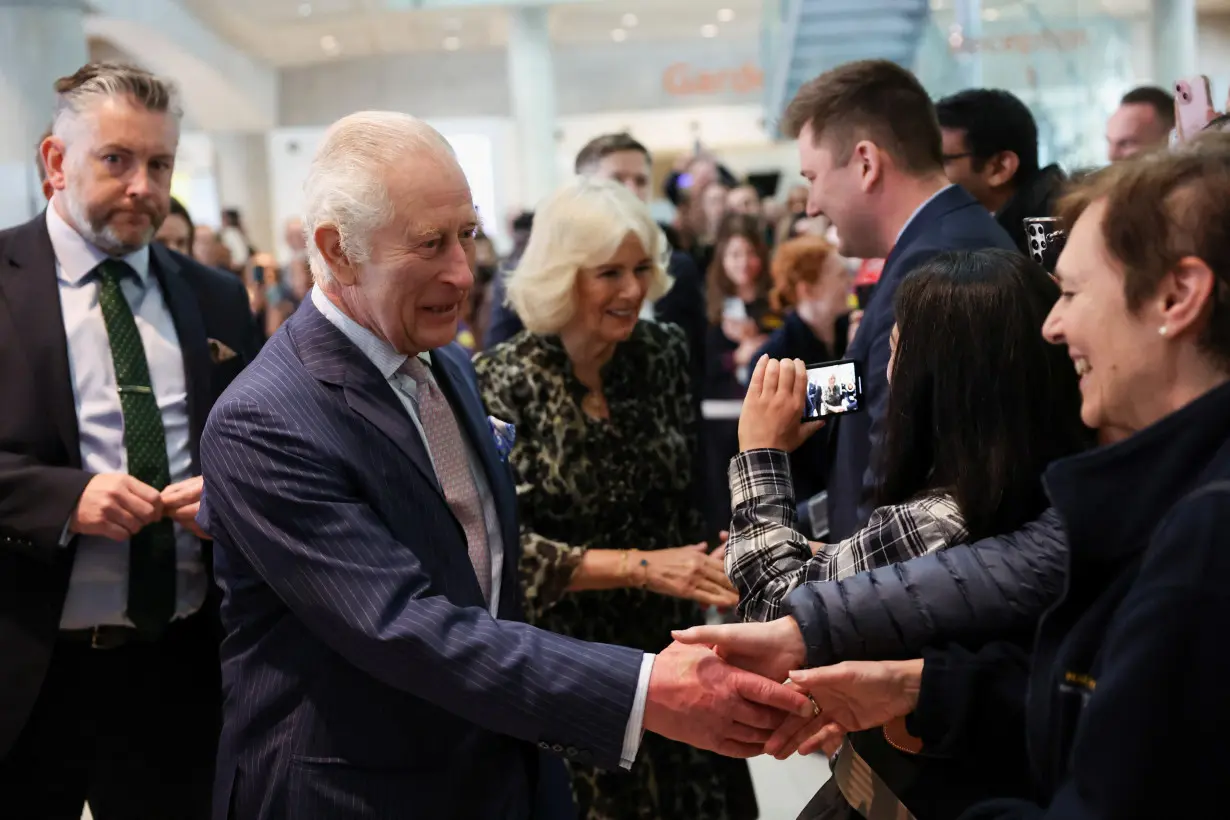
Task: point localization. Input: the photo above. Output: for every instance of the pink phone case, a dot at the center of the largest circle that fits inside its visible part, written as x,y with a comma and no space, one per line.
1195,105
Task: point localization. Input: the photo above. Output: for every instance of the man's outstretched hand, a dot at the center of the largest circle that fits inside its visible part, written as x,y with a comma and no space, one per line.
770,649
697,698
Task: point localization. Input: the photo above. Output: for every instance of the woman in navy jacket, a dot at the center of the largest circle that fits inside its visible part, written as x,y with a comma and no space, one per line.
1121,709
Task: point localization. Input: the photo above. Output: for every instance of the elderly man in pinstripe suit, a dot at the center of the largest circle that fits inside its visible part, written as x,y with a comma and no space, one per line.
374,664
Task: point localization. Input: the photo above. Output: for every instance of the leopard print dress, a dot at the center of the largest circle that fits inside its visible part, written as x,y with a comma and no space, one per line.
620,483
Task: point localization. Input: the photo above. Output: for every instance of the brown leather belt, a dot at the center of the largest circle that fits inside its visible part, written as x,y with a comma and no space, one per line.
103,637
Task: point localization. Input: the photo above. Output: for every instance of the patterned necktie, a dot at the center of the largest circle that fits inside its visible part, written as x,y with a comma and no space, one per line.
151,552
448,455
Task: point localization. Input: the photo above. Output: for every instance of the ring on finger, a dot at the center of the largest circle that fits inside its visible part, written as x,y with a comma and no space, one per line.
814,707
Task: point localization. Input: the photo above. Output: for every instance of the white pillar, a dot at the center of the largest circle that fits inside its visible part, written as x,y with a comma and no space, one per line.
40,41
1174,41
531,81
968,17
242,165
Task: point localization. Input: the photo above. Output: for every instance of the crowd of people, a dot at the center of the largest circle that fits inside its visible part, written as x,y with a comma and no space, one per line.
453,523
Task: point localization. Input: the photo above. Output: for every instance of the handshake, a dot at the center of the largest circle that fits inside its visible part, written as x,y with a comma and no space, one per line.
737,690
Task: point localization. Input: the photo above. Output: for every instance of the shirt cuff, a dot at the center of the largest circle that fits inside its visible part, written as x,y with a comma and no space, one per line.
756,474
636,720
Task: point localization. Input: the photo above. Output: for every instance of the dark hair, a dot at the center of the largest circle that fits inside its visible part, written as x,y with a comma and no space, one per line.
230,217
523,222
178,209
993,121
1159,99
601,147
1219,123
875,100
718,287
980,403
1160,209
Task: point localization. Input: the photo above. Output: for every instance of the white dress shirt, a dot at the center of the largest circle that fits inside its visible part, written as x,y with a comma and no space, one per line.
98,588
388,361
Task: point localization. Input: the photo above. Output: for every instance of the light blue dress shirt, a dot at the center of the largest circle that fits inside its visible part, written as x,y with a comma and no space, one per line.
388,361
98,588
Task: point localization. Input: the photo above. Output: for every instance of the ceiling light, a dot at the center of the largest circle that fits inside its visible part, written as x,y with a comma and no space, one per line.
305,9
726,15
452,43
619,35
630,20
990,14
708,30
330,44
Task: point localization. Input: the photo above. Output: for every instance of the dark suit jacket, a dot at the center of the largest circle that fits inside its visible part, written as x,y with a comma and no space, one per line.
954,220
363,676
40,457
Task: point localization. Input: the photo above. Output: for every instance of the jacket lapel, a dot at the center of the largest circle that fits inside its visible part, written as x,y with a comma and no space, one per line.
29,286
193,343
332,358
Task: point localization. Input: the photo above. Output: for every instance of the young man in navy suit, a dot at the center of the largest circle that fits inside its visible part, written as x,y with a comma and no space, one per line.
870,147
375,663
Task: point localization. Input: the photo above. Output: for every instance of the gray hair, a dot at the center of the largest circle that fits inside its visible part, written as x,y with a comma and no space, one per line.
94,82
346,184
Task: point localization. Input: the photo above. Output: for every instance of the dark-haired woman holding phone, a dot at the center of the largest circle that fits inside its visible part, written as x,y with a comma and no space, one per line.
976,412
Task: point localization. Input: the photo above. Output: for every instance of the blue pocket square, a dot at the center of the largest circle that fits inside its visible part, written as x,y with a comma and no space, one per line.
505,436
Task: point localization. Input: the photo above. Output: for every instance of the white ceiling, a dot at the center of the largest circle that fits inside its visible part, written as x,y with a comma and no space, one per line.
298,32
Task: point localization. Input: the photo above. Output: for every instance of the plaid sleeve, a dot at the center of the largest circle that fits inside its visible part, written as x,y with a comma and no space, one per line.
767,557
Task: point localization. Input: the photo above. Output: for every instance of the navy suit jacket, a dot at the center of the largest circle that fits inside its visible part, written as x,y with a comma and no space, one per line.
952,221
363,676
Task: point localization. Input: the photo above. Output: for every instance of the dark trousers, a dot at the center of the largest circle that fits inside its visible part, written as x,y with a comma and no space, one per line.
133,730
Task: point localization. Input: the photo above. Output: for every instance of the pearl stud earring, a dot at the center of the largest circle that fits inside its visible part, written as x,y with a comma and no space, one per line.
1162,331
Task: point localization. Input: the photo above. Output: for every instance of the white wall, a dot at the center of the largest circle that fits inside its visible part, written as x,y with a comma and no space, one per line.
484,147
1213,52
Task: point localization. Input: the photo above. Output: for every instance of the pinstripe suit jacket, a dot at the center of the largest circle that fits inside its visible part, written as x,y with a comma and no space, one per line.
363,676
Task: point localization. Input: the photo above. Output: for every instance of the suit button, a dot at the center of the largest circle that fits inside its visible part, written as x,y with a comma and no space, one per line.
557,748
572,751
542,744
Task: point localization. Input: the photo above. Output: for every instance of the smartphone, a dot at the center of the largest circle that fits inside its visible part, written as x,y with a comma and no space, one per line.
1047,237
258,274
833,388
733,308
1194,104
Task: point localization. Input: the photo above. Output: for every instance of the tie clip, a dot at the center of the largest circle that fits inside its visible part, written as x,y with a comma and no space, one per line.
135,388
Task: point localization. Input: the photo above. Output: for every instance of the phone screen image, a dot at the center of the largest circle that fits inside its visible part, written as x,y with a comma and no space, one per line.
833,388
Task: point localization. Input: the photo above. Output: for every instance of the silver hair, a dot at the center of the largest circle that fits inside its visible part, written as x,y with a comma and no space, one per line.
346,183
94,82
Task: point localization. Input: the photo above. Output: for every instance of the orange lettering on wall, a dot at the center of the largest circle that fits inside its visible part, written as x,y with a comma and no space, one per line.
682,80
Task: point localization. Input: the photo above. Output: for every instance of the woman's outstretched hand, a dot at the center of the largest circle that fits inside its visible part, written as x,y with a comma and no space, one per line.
689,572
850,697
